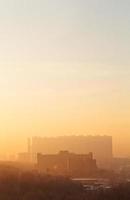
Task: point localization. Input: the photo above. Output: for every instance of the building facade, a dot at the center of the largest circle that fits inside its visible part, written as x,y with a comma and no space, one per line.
100,146
65,163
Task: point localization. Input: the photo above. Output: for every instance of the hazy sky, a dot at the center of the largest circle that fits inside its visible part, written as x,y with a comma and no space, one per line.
64,69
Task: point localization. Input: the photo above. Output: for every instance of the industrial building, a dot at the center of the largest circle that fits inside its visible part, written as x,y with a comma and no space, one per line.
66,163
100,146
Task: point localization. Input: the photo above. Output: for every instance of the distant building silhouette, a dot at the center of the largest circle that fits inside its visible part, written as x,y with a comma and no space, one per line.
100,146
24,157
65,163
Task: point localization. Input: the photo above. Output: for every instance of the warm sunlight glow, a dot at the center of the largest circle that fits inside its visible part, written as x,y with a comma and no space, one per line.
64,70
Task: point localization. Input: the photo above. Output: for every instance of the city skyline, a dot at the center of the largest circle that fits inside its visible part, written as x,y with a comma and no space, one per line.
64,69
27,145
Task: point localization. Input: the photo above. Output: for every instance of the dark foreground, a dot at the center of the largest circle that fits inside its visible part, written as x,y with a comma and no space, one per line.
20,185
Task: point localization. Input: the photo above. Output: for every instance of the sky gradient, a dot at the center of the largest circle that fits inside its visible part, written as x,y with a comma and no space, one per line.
64,69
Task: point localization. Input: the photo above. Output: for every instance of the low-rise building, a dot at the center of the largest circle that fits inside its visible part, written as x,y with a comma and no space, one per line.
65,163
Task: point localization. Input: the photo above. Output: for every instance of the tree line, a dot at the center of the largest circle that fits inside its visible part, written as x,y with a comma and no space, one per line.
16,184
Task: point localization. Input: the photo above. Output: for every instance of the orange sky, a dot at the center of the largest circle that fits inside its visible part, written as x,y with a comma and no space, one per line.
60,100
64,69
